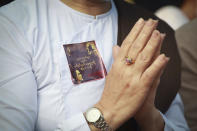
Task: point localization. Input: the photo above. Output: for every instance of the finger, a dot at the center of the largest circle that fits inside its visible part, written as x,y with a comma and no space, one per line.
131,37
116,50
157,81
163,35
160,45
146,56
155,85
142,38
153,71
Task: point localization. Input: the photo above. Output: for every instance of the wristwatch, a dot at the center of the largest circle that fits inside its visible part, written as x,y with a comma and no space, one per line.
94,116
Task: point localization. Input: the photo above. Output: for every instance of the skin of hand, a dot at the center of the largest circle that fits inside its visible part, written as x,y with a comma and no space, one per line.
148,117
148,114
127,86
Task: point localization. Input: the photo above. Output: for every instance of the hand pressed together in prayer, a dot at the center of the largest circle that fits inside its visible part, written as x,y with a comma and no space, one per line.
57,58
130,89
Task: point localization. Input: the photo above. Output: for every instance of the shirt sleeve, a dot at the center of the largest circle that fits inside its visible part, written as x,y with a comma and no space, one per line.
18,90
75,123
174,118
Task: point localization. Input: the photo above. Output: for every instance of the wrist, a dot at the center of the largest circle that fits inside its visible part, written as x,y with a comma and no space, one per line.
108,115
98,119
151,120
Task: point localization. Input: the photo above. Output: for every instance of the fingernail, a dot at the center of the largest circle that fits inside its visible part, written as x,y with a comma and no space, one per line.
140,21
156,22
150,22
162,56
167,58
156,33
163,35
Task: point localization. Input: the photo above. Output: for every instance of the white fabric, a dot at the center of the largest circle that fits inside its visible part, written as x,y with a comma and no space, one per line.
173,16
36,91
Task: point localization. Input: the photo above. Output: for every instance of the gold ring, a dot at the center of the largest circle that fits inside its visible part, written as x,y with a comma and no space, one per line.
129,61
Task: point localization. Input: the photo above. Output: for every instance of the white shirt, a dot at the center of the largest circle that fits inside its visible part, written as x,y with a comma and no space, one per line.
173,16
36,91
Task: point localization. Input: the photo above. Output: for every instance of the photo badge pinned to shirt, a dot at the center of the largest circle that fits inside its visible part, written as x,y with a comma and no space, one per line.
85,62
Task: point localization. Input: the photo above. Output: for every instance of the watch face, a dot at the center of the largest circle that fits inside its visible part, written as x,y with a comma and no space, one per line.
93,114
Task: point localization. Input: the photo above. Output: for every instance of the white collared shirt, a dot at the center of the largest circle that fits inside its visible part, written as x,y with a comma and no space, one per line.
36,90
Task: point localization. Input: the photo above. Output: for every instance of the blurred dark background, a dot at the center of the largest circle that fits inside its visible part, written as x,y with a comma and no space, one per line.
153,5
3,2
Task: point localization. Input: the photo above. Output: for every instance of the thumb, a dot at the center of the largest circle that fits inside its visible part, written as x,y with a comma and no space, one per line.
157,81
116,50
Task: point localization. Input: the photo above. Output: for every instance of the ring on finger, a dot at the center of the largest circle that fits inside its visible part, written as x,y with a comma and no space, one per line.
129,60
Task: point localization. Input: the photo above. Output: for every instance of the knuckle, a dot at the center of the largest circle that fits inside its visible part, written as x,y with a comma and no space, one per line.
128,40
136,29
154,41
150,47
157,64
147,79
147,76
144,34
136,46
144,58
